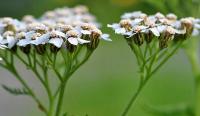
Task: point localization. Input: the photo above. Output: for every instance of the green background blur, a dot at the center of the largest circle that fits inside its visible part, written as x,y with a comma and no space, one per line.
104,85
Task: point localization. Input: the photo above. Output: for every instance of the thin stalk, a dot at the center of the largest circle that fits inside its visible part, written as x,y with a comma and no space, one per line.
67,77
60,99
147,78
165,59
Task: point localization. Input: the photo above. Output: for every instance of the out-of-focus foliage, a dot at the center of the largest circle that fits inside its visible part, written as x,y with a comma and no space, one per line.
179,7
103,85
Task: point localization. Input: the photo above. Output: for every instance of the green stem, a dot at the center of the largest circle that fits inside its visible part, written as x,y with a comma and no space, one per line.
64,83
133,99
60,99
148,76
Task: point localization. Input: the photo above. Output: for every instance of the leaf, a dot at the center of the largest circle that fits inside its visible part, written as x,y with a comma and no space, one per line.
15,91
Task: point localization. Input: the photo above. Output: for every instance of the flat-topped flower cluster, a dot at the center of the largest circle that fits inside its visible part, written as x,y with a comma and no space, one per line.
60,28
140,27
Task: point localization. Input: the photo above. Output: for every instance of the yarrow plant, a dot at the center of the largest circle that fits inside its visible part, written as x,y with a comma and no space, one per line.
154,39
57,43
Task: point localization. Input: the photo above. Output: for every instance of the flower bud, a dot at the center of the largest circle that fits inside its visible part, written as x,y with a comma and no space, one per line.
9,25
171,17
94,39
63,28
70,47
26,49
41,48
28,19
187,23
166,37
148,37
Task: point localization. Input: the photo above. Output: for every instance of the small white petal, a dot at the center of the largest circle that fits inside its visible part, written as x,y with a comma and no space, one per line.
195,32
11,41
29,34
181,31
114,26
120,31
155,31
197,26
3,47
41,40
131,35
161,28
128,33
24,42
73,41
61,34
176,24
1,30
197,20
1,59
1,38
82,41
136,21
57,42
86,32
106,37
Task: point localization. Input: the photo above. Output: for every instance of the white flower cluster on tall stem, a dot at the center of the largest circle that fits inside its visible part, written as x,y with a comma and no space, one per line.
60,42
153,39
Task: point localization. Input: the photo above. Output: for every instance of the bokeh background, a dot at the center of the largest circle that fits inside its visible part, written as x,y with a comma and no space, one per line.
104,85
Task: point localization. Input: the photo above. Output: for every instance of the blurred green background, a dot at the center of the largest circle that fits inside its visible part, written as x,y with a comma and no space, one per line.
104,85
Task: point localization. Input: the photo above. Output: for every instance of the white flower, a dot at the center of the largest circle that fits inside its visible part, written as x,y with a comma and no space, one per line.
58,33
26,40
155,31
56,41
41,40
86,32
118,29
77,40
11,41
74,37
136,21
161,28
57,38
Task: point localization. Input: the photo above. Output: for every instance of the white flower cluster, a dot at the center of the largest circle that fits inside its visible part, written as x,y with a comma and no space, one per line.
62,27
140,26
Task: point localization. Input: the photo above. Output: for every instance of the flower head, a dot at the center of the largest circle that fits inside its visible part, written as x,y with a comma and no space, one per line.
139,26
60,28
